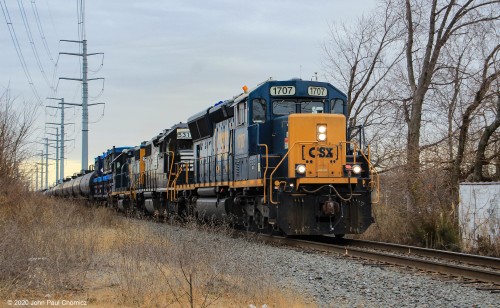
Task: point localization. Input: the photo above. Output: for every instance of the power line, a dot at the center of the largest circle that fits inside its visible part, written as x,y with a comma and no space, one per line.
80,11
45,44
19,52
32,43
40,30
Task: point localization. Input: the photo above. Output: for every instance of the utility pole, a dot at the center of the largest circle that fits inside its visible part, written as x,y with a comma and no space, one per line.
41,170
62,103
85,97
46,163
57,151
46,144
36,178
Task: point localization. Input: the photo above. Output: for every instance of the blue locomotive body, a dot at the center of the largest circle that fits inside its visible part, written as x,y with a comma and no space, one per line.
277,157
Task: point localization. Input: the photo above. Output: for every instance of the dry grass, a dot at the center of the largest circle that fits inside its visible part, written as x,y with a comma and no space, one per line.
433,224
192,266
46,246
54,249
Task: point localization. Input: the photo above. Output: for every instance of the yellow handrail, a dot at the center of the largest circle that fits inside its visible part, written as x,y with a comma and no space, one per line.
170,173
265,170
279,164
174,192
370,165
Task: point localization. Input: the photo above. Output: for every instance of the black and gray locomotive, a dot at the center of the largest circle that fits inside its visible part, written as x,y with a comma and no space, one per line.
278,157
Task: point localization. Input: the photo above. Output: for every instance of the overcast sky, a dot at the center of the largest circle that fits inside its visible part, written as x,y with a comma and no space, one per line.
164,60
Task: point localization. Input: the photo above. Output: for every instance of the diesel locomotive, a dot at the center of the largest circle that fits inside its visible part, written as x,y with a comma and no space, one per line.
279,157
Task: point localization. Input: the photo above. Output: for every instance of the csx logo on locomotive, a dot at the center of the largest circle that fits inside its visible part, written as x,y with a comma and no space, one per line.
321,152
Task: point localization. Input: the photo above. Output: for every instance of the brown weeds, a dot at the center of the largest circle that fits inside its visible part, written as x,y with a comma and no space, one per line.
47,246
59,249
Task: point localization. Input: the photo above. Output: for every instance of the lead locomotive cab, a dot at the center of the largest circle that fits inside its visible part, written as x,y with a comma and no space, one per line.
317,180
279,156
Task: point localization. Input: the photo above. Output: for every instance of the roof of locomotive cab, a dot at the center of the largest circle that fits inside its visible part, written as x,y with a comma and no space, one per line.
172,130
263,89
301,86
209,110
110,151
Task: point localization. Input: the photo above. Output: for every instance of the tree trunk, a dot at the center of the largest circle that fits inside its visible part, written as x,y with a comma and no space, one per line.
480,160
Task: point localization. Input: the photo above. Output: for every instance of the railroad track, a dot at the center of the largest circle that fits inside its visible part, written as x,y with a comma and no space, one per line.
475,268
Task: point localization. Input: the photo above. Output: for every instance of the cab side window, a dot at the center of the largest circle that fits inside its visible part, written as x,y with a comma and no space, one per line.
259,110
241,113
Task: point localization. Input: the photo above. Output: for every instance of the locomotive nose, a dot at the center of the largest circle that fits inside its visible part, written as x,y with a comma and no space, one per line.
316,146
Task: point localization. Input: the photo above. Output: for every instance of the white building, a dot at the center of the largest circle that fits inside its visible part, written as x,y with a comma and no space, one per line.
479,213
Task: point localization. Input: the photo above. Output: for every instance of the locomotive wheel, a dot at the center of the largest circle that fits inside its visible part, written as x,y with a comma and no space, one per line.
138,213
260,221
156,216
164,215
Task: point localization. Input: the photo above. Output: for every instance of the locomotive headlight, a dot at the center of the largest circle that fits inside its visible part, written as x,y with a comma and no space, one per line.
301,169
356,169
321,132
321,129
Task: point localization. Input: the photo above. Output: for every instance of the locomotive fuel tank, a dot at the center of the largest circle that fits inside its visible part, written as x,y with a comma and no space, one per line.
213,208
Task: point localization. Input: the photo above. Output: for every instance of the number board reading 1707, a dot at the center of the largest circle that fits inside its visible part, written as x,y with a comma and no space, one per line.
282,90
317,91
290,90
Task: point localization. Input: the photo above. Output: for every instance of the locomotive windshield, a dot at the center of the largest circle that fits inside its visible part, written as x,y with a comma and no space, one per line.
337,106
311,107
285,107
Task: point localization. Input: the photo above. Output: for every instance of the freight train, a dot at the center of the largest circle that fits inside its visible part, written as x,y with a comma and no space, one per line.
279,157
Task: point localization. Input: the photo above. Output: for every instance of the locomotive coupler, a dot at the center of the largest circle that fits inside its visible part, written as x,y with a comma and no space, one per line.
330,207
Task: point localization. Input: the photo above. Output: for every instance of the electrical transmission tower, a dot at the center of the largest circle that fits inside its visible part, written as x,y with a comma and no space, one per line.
62,124
85,98
56,147
85,91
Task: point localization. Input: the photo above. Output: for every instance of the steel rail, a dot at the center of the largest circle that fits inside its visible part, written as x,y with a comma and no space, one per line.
413,250
427,265
432,253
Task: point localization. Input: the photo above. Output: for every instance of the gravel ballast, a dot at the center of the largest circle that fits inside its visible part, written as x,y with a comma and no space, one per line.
332,280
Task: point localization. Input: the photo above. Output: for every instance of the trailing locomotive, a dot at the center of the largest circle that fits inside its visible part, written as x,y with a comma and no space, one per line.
277,157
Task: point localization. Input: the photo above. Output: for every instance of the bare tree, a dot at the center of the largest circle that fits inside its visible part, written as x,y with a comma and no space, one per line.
483,143
16,124
487,78
359,59
429,27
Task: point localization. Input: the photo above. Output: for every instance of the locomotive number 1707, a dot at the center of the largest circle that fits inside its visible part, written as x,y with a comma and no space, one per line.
282,90
317,91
